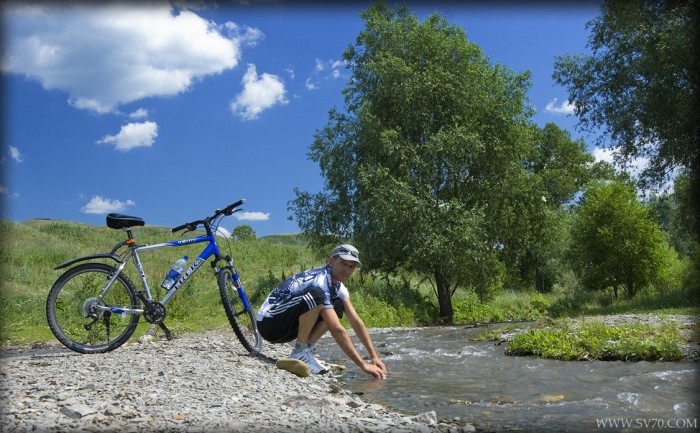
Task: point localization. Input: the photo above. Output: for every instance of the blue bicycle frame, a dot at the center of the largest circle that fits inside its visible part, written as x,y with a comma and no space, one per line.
85,302
212,249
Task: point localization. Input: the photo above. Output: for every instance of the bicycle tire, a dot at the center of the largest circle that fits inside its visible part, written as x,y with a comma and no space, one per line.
74,295
242,319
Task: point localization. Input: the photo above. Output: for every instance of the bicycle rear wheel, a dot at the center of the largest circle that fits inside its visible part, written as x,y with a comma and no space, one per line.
73,314
242,319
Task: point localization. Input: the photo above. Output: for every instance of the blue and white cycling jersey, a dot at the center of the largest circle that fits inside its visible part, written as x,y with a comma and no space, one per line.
297,285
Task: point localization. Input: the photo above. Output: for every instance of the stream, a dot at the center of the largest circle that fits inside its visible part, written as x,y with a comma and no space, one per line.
440,369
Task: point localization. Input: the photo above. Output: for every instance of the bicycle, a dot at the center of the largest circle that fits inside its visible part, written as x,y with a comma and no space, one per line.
94,307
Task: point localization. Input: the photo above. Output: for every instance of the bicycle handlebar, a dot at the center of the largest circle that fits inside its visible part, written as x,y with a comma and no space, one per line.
228,210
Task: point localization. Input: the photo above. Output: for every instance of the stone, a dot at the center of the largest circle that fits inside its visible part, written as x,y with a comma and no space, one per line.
77,411
429,418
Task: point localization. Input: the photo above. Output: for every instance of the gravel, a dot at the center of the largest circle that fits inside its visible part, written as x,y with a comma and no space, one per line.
203,382
195,383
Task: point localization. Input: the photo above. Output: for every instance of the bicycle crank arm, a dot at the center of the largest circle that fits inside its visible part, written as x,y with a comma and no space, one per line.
165,329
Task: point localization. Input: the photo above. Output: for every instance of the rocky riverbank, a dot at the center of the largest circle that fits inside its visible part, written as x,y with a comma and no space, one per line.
194,383
205,383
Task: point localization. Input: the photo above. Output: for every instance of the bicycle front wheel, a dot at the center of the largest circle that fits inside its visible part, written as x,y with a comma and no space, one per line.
242,319
74,313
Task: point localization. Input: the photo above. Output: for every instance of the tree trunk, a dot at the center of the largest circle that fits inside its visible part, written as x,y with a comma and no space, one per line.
539,282
444,297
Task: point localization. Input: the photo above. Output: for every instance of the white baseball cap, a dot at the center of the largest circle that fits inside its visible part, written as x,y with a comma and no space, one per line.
347,252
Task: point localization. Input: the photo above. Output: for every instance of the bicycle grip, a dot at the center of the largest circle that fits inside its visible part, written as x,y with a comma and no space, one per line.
230,208
182,227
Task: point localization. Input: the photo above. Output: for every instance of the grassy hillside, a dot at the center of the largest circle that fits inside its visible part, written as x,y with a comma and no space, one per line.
31,249
288,239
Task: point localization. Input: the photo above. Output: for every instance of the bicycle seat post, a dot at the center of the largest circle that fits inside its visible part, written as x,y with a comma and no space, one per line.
128,233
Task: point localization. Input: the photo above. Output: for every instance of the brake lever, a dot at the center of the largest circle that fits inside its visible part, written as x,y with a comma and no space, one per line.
231,212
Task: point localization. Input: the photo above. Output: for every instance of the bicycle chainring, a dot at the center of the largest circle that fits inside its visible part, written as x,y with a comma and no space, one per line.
156,314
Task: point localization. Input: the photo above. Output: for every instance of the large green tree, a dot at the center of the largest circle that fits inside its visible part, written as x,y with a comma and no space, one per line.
615,242
667,211
640,86
427,157
243,233
557,168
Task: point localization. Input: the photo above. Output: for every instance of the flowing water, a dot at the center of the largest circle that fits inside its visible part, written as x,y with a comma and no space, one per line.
440,369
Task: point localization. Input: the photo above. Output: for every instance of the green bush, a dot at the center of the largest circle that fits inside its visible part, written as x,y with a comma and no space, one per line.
383,301
597,341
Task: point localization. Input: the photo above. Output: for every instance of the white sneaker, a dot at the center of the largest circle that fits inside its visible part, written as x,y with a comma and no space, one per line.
308,357
295,366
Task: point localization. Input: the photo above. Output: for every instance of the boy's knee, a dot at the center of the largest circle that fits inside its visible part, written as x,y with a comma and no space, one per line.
312,314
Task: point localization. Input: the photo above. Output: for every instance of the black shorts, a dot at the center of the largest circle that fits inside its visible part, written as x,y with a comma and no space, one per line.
283,325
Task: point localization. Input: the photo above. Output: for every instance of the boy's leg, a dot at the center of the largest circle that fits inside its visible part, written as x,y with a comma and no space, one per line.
320,328
317,332
293,319
308,324
301,361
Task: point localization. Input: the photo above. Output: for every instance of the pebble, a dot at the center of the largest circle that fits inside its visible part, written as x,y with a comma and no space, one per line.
203,382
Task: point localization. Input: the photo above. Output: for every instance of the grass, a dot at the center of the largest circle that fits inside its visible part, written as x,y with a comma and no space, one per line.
31,249
593,340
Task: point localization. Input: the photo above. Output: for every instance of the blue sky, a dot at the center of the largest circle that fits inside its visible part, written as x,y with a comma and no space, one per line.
169,115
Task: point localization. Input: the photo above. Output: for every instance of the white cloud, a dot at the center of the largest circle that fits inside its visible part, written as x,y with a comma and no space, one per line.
15,154
633,167
252,216
290,71
310,84
604,154
248,35
100,205
110,54
563,108
223,233
260,92
139,114
132,135
325,70
6,192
